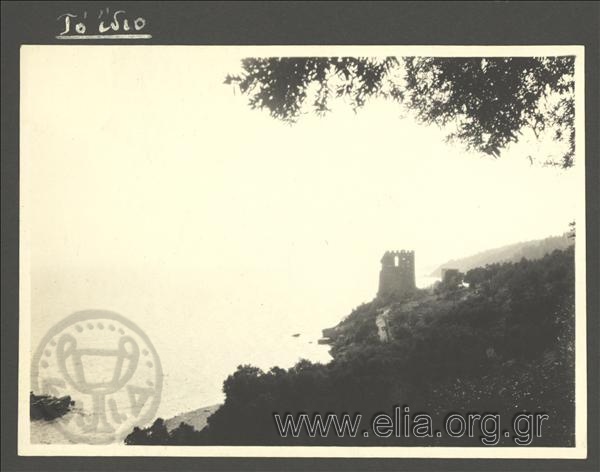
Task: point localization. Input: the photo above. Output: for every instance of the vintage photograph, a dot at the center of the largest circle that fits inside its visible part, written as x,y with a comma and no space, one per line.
349,251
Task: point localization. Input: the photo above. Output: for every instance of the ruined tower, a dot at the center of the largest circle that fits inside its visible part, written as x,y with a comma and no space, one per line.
397,276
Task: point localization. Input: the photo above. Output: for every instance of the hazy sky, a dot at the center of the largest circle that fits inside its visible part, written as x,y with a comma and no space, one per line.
152,184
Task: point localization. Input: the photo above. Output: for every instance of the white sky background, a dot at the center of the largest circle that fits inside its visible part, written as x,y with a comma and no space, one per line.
153,187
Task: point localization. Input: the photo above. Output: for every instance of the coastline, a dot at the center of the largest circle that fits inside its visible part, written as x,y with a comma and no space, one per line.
197,418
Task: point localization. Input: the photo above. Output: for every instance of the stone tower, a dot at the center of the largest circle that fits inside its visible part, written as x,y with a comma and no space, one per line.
397,276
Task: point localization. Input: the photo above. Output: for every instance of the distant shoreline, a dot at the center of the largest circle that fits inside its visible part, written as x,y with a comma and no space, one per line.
197,418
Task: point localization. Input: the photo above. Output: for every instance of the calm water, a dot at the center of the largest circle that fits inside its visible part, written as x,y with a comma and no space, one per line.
200,347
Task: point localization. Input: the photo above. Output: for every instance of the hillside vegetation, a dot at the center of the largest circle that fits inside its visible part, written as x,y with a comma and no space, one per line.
503,344
531,250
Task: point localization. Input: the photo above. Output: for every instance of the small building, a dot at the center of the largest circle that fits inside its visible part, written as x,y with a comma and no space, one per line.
452,277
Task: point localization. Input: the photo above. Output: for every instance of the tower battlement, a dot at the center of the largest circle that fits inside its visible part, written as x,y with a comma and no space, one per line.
397,275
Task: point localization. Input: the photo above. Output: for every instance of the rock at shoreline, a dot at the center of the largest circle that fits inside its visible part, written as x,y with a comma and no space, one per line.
47,407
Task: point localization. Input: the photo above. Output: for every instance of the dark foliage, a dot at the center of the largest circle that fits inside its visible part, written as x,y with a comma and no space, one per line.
505,344
284,85
154,435
157,434
493,99
488,102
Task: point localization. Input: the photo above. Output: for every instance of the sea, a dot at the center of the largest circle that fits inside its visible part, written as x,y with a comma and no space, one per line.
200,348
